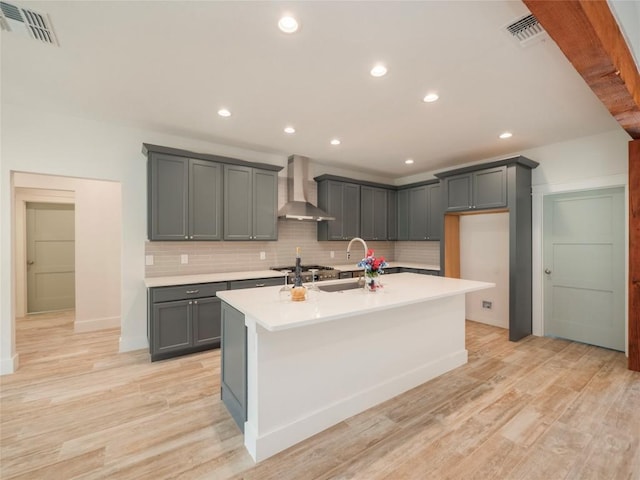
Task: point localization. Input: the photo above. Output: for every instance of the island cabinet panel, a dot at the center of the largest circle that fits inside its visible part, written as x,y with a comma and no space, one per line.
342,201
185,198
184,319
477,190
233,387
250,203
373,213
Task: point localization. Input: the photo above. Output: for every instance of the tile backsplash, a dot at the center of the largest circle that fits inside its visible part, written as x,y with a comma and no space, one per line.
229,256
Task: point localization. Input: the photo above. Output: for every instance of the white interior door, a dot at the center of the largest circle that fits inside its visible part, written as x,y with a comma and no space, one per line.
50,257
584,267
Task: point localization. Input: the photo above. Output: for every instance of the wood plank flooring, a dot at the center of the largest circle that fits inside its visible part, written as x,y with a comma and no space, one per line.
537,409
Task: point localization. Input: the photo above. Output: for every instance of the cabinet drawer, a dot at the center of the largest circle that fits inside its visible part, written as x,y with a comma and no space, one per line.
258,282
181,292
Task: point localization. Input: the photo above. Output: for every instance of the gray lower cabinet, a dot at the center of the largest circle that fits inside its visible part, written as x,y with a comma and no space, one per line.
183,319
482,189
341,200
373,213
184,198
258,282
250,203
233,388
420,271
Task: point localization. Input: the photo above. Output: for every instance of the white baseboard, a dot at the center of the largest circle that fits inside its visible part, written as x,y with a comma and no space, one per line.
94,324
128,344
8,365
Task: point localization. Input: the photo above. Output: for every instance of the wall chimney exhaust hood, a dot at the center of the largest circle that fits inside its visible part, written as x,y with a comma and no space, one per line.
298,206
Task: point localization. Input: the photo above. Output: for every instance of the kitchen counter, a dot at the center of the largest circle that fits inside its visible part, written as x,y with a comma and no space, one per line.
293,369
399,289
210,278
352,267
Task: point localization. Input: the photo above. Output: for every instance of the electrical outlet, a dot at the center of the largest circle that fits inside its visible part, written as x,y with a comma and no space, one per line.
332,254
263,255
148,260
184,259
487,304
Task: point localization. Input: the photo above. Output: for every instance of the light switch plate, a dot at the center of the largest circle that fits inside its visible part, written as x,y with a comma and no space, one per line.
148,259
332,254
263,255
184,259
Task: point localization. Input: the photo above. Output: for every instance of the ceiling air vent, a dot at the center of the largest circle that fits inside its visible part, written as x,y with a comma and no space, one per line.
527,30
26,22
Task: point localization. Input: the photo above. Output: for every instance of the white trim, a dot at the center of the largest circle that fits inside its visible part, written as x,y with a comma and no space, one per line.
537,221
93,324
128,344
9,365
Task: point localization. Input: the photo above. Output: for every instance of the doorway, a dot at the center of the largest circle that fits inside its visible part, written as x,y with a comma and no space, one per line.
50,237
584,267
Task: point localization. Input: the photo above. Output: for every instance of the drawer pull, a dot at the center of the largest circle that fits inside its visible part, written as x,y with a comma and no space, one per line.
260,284
192,291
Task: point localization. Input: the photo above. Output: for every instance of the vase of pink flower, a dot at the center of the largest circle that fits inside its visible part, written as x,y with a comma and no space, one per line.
373,268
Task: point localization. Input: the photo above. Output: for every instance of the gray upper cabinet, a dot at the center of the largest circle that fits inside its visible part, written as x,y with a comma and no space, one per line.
373,213
185,199
341,200
420,213
392,215
250,203
477,190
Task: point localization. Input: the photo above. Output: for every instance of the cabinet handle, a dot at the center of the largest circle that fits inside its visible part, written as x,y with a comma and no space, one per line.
192,291
190,236
195,302
259,284
190,303
186,237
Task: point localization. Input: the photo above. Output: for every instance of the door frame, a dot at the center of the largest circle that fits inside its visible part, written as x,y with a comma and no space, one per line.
537,219
22,197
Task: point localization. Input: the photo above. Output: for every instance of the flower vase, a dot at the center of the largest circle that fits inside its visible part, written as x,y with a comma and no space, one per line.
371,282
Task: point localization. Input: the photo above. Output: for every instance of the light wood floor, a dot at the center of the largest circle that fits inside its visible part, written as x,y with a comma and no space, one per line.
537,409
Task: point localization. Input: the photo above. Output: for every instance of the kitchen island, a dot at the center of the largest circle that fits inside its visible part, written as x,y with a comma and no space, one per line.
293,369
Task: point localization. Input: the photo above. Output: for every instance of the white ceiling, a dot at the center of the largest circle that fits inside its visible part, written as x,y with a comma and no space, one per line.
169,66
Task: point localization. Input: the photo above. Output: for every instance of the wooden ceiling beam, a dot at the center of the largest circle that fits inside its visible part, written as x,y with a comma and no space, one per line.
588,35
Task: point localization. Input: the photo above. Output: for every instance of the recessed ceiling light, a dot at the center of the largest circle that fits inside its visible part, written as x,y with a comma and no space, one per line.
504,135
223,112
408,161
289,130
335,141
430,97
288,24
378,70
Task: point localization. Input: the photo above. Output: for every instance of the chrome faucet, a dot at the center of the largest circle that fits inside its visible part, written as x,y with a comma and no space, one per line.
358,239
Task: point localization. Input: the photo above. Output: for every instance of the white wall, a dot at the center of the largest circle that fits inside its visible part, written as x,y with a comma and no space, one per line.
484,256
38,142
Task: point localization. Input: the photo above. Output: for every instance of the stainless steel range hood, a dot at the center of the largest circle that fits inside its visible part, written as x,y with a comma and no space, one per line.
298,206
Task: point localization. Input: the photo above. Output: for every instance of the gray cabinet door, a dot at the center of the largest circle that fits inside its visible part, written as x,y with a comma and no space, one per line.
234,363
392,215
334,202
367,213
403,214
459,192
418,213
168,197
265,205
379,214
490,188
205,200
350,211
435,217
206,321
238,202
172,328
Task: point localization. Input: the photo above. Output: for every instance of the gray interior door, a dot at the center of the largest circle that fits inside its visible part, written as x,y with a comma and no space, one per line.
584,267
50,257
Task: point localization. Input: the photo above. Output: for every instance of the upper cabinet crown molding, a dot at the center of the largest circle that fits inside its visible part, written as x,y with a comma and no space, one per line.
519,160
148,148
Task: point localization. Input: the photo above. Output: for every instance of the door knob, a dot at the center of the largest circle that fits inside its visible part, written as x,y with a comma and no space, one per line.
30,262
547,271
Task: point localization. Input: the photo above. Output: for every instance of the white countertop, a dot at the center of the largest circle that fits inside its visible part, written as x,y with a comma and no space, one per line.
265,306
351,267
248,275
210,277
